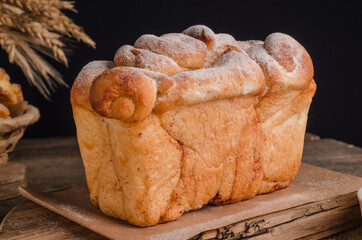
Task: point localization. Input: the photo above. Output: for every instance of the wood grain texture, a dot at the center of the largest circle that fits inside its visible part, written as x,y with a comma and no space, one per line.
333,155
12,175
52,164
49,226
12,172
55,163
317,201
298,222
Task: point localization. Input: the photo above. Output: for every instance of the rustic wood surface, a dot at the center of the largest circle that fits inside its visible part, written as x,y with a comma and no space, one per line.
54,164
324,217
12,175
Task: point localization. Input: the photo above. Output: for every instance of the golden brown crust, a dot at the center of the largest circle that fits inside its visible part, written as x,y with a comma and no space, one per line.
130,56
186,51
267,187
79,94
233,74
270,104
282,129
283,108
223,43
245,45
10,94
123,93
18,92
202,33
285,63
227,72
172,54
221,166
190,119
4,111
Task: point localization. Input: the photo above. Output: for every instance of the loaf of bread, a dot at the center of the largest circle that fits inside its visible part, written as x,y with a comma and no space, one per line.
183,120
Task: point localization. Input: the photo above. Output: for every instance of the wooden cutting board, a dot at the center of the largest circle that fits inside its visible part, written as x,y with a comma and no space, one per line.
319,203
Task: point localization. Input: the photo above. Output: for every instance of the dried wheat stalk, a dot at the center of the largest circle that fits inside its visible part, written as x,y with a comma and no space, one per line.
38,6
30,27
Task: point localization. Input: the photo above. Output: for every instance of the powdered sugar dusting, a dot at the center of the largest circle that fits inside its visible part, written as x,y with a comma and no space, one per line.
245,45
222,42
232,74
286,51
196,30
202,33
74,214
285,62
196,73
89,72
84,80
145,59
186,51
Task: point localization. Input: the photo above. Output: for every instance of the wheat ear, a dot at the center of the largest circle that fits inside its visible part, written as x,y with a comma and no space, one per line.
28,27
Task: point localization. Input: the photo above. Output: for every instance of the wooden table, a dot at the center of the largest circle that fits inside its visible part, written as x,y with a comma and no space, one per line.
55,163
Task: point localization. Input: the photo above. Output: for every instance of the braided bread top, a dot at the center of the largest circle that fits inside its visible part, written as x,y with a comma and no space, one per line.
159,73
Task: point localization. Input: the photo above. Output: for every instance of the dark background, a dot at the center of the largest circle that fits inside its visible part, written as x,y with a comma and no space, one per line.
329,30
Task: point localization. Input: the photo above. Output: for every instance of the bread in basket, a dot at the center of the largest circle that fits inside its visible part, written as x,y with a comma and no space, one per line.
188,119
15,115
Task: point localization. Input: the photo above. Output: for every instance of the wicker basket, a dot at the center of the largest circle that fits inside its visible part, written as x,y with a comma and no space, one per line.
11,130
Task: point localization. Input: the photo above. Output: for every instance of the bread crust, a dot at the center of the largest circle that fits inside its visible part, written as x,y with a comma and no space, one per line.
123,93
222,72
184,120
10,94
286,64
283,108
79,94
